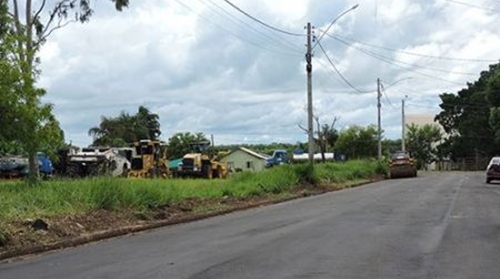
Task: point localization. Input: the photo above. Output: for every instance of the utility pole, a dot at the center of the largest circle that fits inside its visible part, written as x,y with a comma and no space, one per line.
379,122
309,95
403,132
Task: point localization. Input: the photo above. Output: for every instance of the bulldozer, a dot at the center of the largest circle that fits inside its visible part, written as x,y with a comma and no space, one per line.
198,163
149,160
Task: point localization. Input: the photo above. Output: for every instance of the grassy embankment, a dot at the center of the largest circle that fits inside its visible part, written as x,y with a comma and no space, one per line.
19,201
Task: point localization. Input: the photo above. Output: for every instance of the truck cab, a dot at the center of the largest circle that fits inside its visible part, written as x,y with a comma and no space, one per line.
279,157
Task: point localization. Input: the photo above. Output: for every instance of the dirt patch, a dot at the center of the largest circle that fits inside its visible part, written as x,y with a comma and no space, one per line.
22,237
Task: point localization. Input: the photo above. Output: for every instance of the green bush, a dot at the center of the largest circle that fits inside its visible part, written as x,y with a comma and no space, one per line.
382,168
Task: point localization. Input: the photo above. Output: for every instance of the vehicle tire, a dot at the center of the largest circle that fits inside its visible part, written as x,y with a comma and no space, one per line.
207,171
73,171
113,166
488,180
217,173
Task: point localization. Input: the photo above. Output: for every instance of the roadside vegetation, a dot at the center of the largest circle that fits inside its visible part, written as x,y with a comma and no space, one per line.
19,201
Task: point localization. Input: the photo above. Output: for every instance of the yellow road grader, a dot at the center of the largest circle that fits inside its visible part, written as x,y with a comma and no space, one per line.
148,160
199,163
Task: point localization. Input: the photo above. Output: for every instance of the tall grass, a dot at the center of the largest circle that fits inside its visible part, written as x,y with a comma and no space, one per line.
19,200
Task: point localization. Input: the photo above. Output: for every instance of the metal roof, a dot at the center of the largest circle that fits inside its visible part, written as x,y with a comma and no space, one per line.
253,153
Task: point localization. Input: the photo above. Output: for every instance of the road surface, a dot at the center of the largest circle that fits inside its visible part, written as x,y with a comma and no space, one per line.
433,226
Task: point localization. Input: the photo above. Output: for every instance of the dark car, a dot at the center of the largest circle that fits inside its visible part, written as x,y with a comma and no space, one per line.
493,170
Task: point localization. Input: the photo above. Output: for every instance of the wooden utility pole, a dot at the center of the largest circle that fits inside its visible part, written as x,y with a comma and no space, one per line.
309,95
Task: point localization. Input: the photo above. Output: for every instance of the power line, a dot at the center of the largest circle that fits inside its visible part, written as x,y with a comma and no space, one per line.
376,55
414,53
473,6
255,30
261,22
389,61
412,64
386,97
336,78
339,73
234,34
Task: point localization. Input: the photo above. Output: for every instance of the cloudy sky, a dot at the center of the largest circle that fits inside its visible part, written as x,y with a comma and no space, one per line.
205,67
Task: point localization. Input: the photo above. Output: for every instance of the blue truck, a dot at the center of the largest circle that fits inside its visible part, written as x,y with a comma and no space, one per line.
279,157
14,166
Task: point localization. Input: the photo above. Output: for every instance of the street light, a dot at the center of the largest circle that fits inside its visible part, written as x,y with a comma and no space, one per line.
335,20
309,80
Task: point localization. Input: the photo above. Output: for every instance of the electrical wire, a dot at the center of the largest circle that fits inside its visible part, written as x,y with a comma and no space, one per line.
473,6
386,97
339,73
390,61
414,53
237,20
261,22
335,76
234,34
418,65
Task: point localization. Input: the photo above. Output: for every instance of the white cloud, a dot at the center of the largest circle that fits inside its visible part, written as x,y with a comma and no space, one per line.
204,67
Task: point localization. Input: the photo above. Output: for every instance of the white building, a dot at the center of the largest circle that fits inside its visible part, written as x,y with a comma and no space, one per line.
244,159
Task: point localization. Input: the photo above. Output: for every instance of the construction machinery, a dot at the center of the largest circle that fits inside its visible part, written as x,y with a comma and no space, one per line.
93,161
199,163
149,160
402,164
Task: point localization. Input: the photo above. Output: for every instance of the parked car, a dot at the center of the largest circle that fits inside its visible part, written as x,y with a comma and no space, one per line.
493,170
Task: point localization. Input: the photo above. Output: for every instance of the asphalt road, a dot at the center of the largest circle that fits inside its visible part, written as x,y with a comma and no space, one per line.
433,226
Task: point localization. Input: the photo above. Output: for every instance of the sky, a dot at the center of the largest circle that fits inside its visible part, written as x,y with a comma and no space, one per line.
204,66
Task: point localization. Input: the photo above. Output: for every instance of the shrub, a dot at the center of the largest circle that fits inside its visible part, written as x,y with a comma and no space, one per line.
306,174
382,168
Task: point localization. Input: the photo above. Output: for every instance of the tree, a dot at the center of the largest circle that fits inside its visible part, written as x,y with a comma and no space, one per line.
326,136
470,117
179,143
148,122
30,31
422,142
9,80
390,146
125,128
358,142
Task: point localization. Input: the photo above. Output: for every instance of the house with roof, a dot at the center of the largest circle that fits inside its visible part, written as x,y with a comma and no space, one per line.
244,159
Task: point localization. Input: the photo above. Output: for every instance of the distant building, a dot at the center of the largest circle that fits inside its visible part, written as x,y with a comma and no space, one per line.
244,159
421,120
